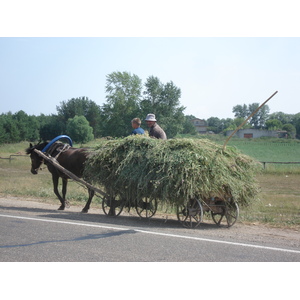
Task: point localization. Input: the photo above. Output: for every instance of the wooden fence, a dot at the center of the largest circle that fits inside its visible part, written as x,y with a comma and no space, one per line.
10,158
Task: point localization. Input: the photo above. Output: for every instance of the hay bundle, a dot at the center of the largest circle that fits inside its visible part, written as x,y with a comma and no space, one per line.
172,170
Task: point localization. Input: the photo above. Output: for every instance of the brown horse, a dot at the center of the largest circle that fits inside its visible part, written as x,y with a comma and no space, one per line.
70,158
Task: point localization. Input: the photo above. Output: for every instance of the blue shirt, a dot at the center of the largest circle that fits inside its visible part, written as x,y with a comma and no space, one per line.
138,130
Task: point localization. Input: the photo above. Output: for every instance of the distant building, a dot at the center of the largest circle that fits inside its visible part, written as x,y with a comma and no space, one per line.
257,133
200,125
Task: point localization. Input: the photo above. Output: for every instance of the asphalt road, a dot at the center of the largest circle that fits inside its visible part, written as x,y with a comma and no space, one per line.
34,232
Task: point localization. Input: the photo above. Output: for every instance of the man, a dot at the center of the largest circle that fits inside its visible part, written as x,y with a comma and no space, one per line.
155,130
136,123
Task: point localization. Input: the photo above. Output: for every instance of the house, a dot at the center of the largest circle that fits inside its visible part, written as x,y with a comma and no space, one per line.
257,133
200,125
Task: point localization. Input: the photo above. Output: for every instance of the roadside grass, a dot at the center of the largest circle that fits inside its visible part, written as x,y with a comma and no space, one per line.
278,204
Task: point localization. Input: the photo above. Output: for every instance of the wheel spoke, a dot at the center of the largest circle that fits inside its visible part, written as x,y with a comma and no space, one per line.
191,214
146,208
111,206
232,213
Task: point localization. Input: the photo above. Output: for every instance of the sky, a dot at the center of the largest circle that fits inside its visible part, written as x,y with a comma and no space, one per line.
215,71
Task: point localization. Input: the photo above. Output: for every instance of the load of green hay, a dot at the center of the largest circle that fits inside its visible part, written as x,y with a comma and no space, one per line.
172,170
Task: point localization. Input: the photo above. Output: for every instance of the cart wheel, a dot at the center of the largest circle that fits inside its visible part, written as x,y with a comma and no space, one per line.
146,208
112,206
232,213
190,215
218,216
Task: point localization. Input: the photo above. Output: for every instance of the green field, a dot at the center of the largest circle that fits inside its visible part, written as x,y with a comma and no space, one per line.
278,203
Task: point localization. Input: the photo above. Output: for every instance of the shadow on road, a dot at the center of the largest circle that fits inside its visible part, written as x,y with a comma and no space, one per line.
82,238
122,220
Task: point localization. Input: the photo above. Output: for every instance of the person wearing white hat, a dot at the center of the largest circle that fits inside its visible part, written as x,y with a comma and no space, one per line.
155,130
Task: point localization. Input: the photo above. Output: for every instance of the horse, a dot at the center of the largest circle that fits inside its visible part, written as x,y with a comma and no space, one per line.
70,158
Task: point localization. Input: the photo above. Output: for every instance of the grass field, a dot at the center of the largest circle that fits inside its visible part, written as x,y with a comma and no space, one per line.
278,203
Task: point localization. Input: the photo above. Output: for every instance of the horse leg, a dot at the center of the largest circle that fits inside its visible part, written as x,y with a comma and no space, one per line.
88,203
55,189
64,190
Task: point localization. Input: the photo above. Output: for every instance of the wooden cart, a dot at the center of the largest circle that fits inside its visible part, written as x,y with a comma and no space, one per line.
189,214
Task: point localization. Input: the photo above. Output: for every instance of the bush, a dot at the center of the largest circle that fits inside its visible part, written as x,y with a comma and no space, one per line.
79,130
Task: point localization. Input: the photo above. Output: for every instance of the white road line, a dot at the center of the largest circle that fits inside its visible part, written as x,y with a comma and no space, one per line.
154,233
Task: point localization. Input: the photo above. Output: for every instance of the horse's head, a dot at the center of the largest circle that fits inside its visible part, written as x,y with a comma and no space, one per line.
36,160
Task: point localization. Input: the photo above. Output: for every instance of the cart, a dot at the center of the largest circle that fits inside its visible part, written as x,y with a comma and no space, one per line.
114,205
189,214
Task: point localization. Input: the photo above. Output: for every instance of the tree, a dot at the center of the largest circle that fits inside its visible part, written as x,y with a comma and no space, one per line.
282,117
291,130
225,124
28,126
51,127
188,126
152,95
214,124
81,106
12,133
79,130
296,122
239,121
2,130
258,119
122,103
273,124
163,101
240,111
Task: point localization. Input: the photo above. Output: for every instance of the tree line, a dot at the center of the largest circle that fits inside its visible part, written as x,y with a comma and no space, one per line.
126,98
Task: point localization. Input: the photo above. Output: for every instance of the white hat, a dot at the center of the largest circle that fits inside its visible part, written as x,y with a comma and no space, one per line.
150,117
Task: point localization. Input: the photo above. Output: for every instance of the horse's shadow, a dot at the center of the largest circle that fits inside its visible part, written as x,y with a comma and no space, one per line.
81,238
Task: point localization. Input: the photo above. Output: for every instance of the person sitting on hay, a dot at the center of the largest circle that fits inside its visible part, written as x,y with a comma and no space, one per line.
136,125
155,130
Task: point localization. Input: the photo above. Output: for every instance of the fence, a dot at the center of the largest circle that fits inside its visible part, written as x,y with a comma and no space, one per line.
283,163
264,163
10,158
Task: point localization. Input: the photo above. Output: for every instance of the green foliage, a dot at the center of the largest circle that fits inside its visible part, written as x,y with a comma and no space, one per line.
188,127
241,111
51,126
258,119
79,130
291,129
172,170
273,124
163,100
282,117
18,127
127,97
124,92
81,106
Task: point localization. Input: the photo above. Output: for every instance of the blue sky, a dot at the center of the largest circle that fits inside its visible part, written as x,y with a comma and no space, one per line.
219,53
214,74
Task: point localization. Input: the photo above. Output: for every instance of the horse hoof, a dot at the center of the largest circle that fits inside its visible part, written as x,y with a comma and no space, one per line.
61,208
84,211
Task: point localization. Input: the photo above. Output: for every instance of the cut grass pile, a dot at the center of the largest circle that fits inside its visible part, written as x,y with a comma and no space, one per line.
172,171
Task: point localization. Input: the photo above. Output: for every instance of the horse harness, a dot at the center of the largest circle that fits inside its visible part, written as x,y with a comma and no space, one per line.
57,147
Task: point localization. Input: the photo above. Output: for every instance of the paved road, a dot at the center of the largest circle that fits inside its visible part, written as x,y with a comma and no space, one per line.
31,231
